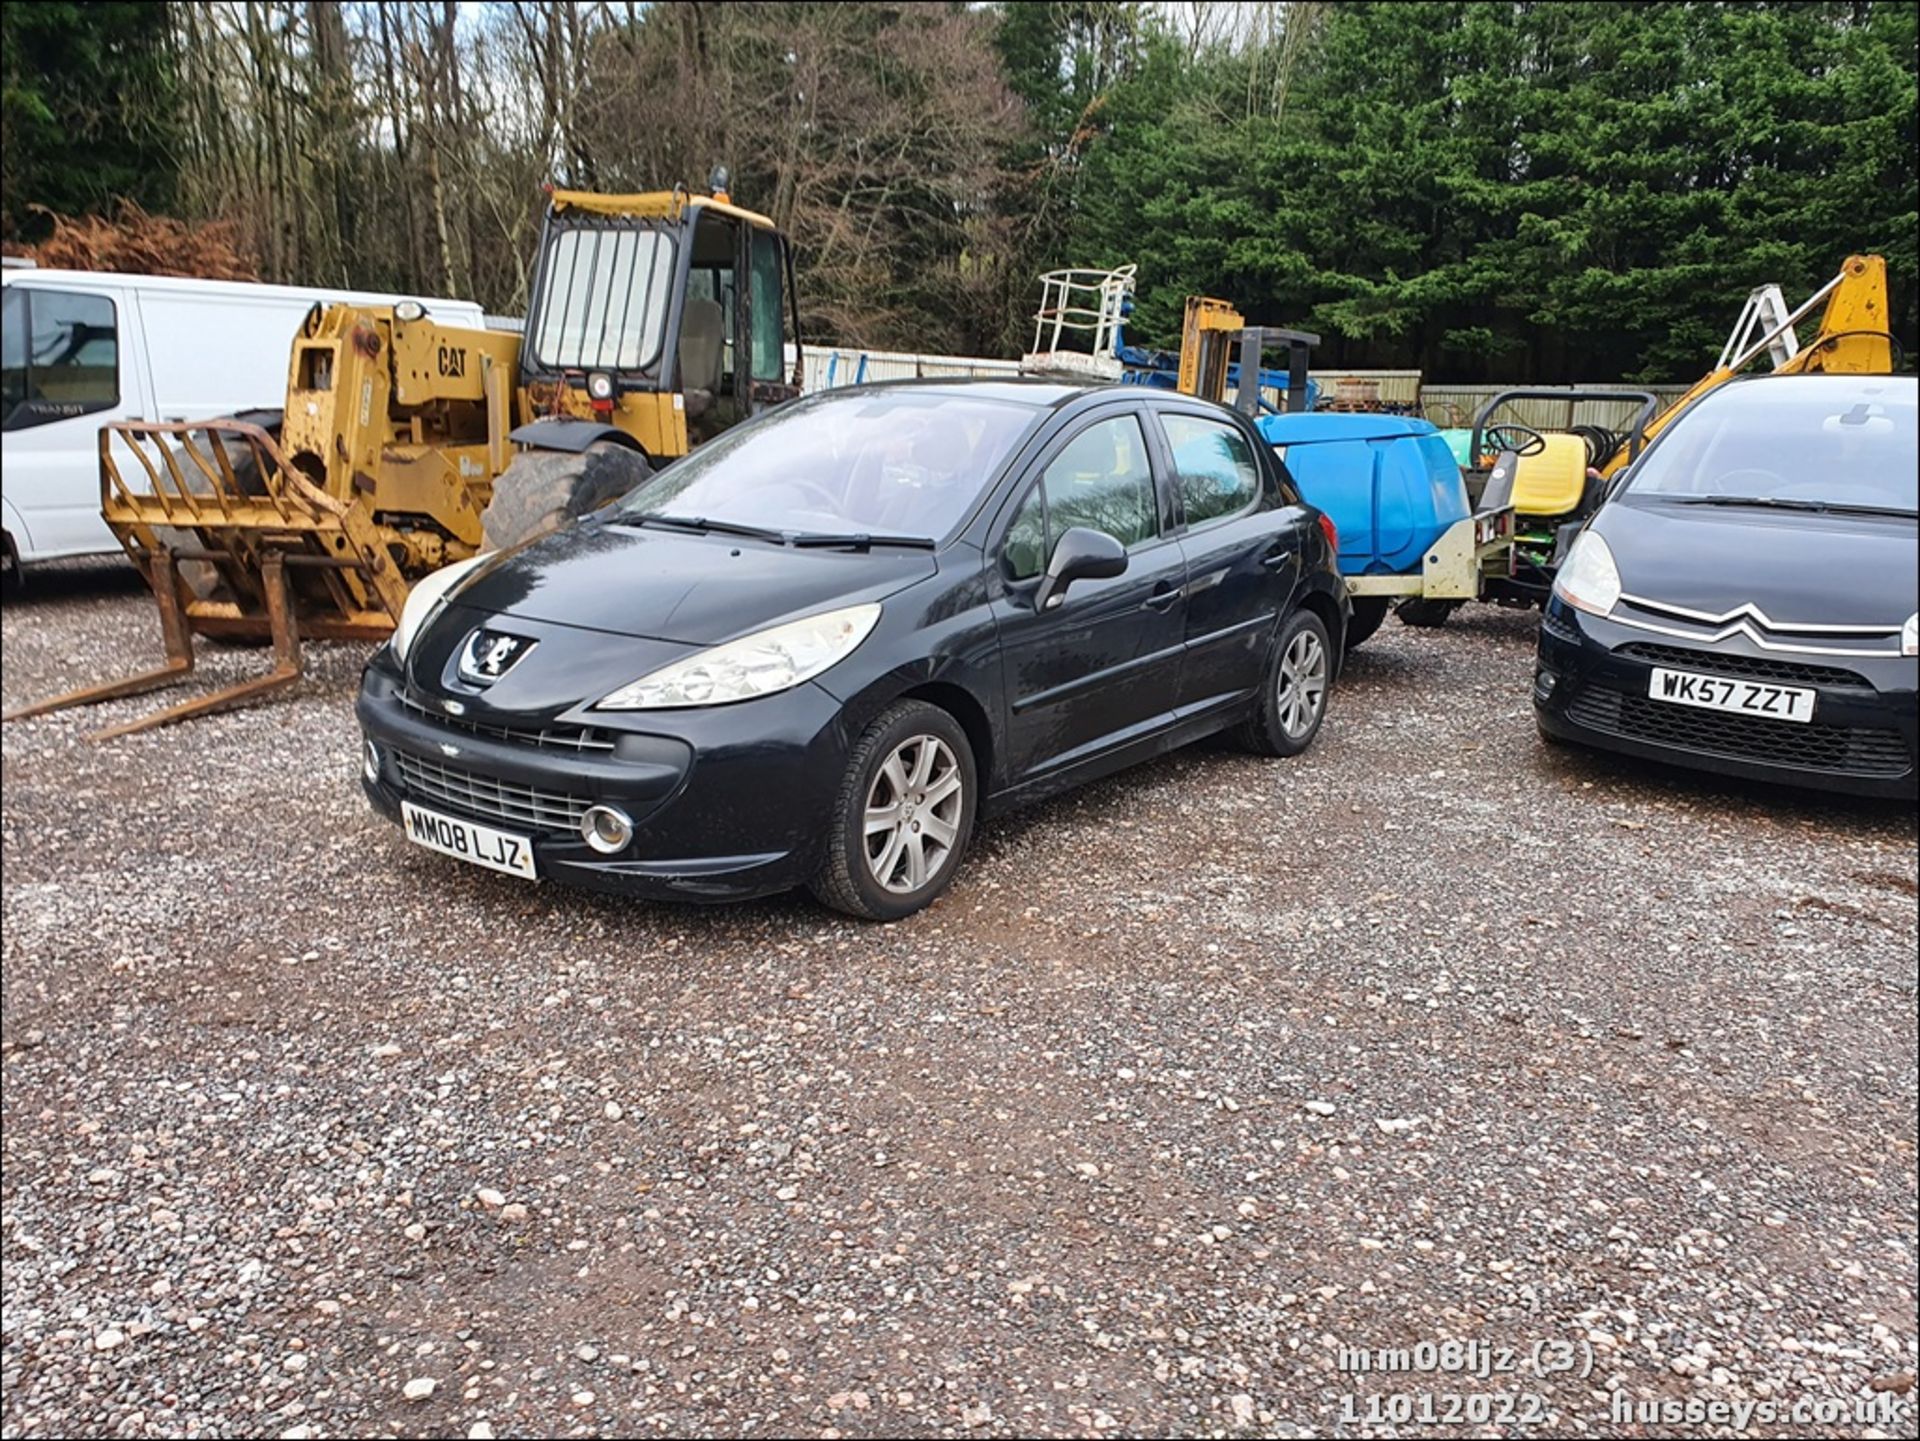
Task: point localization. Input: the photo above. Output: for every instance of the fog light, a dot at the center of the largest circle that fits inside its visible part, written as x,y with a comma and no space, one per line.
370,762
607,829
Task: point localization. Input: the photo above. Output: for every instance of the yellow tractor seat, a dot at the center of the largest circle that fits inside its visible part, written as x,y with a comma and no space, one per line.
1552,481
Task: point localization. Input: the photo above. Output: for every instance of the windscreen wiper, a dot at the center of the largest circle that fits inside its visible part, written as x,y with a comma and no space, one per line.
1817,507
861,540
700,525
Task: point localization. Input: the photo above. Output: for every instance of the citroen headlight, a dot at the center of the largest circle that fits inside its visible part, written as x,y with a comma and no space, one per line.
426,597
1910,635
755,665
1588,579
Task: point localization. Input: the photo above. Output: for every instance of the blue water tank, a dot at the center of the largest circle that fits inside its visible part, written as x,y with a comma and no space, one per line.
1389,483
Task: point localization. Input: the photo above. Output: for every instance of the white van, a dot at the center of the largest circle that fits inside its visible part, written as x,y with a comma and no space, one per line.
83,348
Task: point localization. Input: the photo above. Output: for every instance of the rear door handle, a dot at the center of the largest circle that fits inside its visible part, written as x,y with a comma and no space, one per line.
1277,557
1163,596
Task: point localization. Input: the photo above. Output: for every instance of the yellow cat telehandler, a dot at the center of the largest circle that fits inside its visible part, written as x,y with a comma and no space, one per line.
655,321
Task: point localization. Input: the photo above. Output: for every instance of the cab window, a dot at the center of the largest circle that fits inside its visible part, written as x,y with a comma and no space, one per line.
1214,466
61,355
765,310
1102,481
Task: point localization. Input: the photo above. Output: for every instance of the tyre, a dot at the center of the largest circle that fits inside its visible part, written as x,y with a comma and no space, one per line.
1369,611
541,490
903,815
202,577
1425,614
1295,690
240,457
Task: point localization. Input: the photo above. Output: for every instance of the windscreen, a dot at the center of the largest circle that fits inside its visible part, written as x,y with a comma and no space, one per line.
603,299
1832,440
888,462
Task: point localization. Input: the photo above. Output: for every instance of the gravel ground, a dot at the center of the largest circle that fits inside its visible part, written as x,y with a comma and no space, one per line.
1194,1079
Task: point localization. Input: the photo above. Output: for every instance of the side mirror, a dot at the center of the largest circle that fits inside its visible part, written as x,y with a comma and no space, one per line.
1079,554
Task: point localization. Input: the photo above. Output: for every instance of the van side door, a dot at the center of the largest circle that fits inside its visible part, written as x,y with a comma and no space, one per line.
73,363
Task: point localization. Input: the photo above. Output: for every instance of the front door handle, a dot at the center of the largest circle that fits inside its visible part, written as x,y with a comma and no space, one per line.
1163,596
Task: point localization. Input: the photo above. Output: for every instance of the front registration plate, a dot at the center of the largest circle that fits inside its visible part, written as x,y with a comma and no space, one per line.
1742,697
463,840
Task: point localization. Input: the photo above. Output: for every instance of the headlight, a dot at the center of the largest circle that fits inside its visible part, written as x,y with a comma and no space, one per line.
600,385
1910,635
426,597
409,311
1588,579
755,665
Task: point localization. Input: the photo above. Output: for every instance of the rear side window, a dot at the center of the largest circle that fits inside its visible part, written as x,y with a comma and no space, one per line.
1216,471
61,354
1102,481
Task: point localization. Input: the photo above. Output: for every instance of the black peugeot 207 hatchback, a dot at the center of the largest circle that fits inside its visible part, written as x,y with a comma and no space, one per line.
1745,600
816,650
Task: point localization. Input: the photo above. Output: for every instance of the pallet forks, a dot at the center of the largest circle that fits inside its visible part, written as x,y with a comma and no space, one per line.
234,542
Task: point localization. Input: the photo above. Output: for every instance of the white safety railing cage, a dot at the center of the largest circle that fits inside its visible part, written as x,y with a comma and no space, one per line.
1079,307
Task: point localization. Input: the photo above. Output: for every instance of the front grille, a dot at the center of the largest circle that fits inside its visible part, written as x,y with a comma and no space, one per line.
484,798
1814,746
563,738
1744,667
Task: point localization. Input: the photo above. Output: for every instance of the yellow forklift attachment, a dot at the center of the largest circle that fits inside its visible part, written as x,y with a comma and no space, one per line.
234,541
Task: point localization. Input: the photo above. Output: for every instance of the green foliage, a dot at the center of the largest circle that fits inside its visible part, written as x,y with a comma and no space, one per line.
1522,190
86,109
1517,191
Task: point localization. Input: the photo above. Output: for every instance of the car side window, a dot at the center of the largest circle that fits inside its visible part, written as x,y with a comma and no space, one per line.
1214,466
1102,480
62,356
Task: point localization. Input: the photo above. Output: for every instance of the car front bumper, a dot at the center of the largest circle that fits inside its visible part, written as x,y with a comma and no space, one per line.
1591,685
727,803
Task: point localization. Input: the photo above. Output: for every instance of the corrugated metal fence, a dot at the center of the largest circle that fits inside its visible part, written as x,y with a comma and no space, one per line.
831,369
1444,405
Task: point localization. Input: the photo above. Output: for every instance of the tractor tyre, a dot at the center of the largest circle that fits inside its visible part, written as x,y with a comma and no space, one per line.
202,578
240,456
541,490
1425,614
1368,613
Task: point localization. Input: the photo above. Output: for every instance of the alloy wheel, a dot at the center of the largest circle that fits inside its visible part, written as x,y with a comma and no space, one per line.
913,813
1302,686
